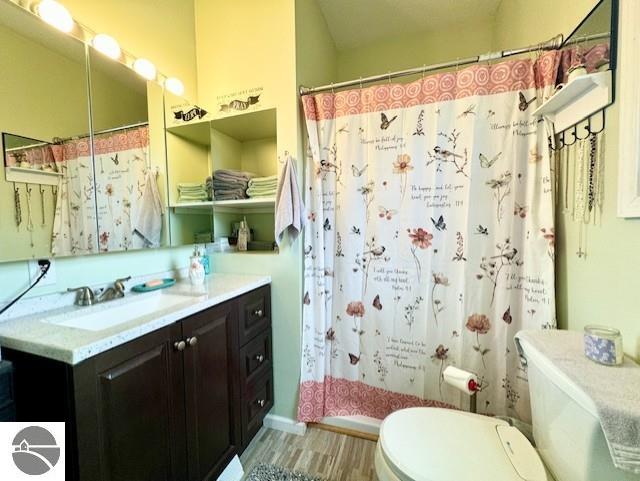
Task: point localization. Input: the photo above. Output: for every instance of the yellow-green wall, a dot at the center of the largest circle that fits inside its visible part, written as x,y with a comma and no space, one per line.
242,45
163,31
601,288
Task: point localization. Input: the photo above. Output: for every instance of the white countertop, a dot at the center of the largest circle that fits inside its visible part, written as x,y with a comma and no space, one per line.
34,335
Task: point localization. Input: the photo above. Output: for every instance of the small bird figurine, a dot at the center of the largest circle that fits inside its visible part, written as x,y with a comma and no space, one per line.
376,251
508,254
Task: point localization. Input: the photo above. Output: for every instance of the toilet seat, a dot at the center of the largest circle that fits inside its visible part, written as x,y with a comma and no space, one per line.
433,444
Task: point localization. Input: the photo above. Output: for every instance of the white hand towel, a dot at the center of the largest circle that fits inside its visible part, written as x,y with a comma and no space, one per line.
290,212
149,222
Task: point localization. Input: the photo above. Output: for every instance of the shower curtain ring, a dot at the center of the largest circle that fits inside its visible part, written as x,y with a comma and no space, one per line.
424,68
332,91
389,76
360,82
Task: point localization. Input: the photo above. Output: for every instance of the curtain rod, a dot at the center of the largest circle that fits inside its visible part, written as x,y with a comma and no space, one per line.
552,44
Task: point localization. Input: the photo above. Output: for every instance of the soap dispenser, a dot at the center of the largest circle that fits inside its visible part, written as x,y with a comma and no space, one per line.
243,235
196,269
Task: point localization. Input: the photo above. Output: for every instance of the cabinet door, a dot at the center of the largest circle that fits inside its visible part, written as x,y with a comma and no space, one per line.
208,392
136,429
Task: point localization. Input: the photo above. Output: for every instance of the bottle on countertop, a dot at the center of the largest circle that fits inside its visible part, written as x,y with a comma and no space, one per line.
205,260
243,235
196,269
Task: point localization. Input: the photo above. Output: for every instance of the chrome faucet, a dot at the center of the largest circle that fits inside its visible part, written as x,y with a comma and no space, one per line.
114,292
86,297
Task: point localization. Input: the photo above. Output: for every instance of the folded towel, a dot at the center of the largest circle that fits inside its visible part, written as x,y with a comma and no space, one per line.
270,180
229,194
614,390
232,175
223,184
261,192
149,221
290,214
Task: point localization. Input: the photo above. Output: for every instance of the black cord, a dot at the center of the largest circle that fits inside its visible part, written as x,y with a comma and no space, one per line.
44,268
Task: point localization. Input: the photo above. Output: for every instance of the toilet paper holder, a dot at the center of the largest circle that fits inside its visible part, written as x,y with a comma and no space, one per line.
464,381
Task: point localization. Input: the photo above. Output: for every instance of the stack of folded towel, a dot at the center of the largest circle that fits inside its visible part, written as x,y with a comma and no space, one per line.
263,186
230,184
191,192
209,187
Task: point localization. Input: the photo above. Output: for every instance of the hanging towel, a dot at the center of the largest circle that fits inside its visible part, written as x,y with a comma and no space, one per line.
614,390
149,222
290,214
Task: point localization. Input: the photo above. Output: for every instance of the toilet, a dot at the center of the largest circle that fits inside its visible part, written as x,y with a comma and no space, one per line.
432,444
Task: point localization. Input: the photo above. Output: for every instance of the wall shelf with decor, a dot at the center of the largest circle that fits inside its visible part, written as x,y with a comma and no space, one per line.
246,142
32,176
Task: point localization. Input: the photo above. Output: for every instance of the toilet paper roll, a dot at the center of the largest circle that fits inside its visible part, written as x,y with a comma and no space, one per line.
465,381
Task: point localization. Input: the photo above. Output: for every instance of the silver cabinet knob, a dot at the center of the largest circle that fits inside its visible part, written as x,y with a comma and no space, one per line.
179,345
261,402
260,358
258,313
192,341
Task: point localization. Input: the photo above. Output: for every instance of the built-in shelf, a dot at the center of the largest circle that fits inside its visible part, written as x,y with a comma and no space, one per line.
253,205
205,204
198,131
247,126
32,176
577,100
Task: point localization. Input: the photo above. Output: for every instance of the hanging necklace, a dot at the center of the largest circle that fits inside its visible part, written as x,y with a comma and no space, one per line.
29,215
17,206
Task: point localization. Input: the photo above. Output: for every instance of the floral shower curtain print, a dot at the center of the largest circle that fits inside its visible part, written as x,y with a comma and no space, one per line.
74,223
430,241
122,160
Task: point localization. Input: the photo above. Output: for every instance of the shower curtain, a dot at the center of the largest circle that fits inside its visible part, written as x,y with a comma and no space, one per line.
430,241
121,164
74,223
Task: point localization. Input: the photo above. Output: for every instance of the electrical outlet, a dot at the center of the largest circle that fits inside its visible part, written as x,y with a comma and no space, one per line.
35,271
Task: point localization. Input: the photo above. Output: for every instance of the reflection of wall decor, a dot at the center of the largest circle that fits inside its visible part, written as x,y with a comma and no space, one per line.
188,115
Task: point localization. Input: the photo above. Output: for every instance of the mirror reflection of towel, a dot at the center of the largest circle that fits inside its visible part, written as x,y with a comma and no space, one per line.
149,222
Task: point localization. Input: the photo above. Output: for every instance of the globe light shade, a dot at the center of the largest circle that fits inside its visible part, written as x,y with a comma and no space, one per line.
145,68
174,85
56,15
106,45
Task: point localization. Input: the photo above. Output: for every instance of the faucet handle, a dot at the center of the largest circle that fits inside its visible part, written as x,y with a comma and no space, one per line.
85,295
119,283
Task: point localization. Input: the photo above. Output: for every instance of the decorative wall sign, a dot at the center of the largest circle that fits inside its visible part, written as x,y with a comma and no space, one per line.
241,100
187,113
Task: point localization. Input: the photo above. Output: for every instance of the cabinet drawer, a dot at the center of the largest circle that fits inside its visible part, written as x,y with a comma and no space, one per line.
256,402
255,359
7,413
6,384
255,313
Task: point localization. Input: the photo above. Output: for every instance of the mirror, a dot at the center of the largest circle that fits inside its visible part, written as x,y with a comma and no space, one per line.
127,157
81,137
43,91
592,42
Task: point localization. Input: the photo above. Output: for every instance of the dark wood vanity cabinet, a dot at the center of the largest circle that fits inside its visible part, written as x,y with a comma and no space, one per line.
175,404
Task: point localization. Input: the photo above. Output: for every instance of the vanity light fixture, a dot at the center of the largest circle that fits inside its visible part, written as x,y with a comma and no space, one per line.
107,45
174,86
145,68
55,14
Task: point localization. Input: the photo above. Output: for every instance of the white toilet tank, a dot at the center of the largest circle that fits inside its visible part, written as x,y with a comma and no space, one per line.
566,427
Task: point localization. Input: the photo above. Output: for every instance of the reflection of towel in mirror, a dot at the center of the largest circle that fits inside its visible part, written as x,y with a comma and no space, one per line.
150,211
290,212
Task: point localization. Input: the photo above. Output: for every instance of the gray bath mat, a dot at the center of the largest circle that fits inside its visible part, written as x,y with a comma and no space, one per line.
271,472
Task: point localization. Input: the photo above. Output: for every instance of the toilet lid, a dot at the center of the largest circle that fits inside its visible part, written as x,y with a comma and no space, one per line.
432,444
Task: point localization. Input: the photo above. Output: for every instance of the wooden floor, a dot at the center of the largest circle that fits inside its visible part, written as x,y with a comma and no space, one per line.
332,456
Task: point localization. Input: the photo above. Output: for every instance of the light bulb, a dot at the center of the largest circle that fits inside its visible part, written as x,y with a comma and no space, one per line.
55,14
174,86
145,68
106,45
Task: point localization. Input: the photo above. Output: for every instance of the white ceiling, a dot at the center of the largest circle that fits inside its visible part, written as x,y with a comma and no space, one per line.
357,22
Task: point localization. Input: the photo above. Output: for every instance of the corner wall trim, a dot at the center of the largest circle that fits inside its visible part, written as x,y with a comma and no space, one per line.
287,425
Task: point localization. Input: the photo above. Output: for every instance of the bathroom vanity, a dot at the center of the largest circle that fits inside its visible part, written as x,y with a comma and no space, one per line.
175,403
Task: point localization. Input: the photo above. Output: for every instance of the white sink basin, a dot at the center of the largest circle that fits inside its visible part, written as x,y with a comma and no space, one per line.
112,313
